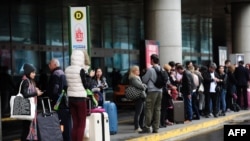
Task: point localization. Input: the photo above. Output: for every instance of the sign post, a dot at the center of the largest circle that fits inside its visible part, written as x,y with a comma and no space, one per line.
78,28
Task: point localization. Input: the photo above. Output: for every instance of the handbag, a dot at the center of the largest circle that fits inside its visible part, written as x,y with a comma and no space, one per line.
132,93
22,108
201,88
63,97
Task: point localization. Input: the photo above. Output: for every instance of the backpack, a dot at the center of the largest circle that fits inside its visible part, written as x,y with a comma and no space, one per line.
160,78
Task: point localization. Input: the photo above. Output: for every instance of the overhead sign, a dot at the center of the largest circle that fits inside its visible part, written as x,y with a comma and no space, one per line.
78,28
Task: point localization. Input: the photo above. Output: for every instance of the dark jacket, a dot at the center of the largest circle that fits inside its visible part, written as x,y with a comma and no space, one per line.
187,83
231,83
224,78
27,89
241,75
207,80
57,82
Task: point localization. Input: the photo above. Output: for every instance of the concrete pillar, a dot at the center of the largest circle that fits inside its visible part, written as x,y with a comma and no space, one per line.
163,23
241,29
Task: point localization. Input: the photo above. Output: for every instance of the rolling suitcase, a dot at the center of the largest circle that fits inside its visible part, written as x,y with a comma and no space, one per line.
98,127
179,116
111,109
97,122
48,123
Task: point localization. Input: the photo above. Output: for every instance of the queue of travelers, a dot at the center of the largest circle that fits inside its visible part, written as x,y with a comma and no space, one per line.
208,91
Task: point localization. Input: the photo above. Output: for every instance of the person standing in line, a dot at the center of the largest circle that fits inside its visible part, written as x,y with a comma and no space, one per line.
195,95
77,92
186,90
211,91
223,90
167,100
154,96
242,77
231,87
227,64
100,84
29,89
201,71
57,83
135,80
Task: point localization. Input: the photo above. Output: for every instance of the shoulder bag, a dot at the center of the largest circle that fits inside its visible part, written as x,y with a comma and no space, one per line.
22,108
132,93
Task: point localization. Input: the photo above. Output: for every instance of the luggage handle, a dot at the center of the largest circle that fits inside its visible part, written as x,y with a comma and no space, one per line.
43,106
88,101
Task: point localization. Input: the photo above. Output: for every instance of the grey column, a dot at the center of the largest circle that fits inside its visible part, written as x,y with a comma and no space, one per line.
163,23
241,29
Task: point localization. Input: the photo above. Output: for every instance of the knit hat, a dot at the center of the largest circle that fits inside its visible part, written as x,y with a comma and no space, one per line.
28,68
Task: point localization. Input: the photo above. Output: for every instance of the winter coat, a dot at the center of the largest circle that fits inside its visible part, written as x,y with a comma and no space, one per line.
72,72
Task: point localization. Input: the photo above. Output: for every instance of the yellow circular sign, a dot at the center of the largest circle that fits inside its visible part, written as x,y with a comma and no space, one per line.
78,15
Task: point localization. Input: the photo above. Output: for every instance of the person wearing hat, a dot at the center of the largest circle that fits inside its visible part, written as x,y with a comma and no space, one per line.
29,89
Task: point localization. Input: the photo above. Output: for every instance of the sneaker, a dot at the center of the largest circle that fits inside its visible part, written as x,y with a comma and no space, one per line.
145,130
162,126
138,130
187,121
169,123
207,116
155,131
228,110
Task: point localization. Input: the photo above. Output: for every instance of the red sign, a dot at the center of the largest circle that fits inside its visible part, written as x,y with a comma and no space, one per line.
152,47
79,35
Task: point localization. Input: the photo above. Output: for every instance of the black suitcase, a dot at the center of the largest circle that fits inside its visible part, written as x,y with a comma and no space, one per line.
48,123
179,116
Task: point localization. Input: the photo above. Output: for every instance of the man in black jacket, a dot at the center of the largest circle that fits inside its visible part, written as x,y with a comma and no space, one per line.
242,77
58,83
187,83
211,91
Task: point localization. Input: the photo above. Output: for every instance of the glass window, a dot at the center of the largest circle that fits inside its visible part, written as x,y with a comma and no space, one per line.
196,38
4,23
20,57
5,59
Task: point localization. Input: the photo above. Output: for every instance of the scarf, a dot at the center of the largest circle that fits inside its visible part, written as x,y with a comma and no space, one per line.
33,127
33,124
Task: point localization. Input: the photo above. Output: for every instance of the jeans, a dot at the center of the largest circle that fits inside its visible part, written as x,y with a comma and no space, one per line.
188,107
222,101
139,115
195,104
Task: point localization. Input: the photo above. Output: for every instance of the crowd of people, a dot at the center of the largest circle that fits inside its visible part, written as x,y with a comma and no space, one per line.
72,113
206,90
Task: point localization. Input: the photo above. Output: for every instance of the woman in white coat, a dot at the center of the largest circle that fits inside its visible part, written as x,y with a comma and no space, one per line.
77,93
